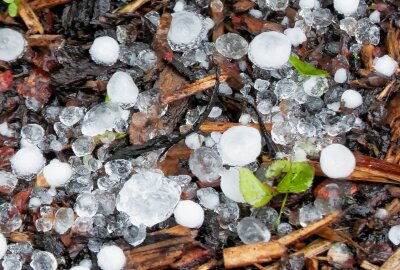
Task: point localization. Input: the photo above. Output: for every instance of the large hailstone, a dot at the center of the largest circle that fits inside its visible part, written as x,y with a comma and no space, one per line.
269,50
337,161
104,50
27,161
346,7
57,173
111,258
352,99
240,145
12,44
122,89
295,35
148,198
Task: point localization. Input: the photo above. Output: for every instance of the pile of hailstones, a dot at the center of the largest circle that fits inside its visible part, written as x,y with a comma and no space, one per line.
145,197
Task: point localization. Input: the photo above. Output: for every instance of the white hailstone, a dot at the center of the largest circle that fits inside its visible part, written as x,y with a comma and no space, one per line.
230,185
27,161
86,263
375,16
122,89
111,258
57,173
240,145
104,50
3,245
346,7
352,99
245,118
194,141
79,268
5,131
394,235
307,4
269,50
385,65
215,112
256,13
381,213
179,6
337,161
189,214
340,75
295,35
299,154
12,44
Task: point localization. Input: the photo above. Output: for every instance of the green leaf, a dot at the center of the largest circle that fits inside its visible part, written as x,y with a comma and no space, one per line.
107,99
277,167
253,190
306,69
12,9
298,179
8,1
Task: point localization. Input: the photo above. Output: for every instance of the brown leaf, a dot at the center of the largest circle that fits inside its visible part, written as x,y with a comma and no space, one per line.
243,5
255,26
37,85
6,80
20,200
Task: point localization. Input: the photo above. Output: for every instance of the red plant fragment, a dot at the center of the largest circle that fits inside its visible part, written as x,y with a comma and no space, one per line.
20,200
6,80
37,85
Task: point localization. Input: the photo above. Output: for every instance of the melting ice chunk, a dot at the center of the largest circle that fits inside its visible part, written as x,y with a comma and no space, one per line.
208,197
3,245
340,75
232,45
250,230
27,161
148,198
8,182
121,88
346,7
100,118
69,116
57,173
269,50
189,214
186,31
240,145
385,65
12,44
32,133
205,163
295,35
337,161
43,260
104,50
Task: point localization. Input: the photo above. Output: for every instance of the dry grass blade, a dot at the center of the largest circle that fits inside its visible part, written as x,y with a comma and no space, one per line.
132,6
29,17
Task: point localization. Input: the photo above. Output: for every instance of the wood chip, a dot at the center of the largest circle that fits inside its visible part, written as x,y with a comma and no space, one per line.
132,6
43,4
29,17
393,263
368,266
45,40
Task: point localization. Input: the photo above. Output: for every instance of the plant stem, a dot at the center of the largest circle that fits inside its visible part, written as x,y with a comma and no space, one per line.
282,207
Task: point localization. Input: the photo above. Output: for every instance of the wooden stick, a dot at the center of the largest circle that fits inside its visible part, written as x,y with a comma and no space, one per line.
310,229
368,266
209,265
29,17
393,207
393,263
264,252
192,89
161,244
43,4
209,127
45,40
254,253
132,6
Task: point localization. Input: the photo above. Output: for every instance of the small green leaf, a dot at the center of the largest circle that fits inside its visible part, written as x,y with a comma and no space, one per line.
107,99
8,1
298,179
277,167
12,9
253,190
306,69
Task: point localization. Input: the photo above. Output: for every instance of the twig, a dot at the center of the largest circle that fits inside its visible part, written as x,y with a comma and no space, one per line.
132,6
43,4
29,17
393,263
45,40
192,89
368,266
